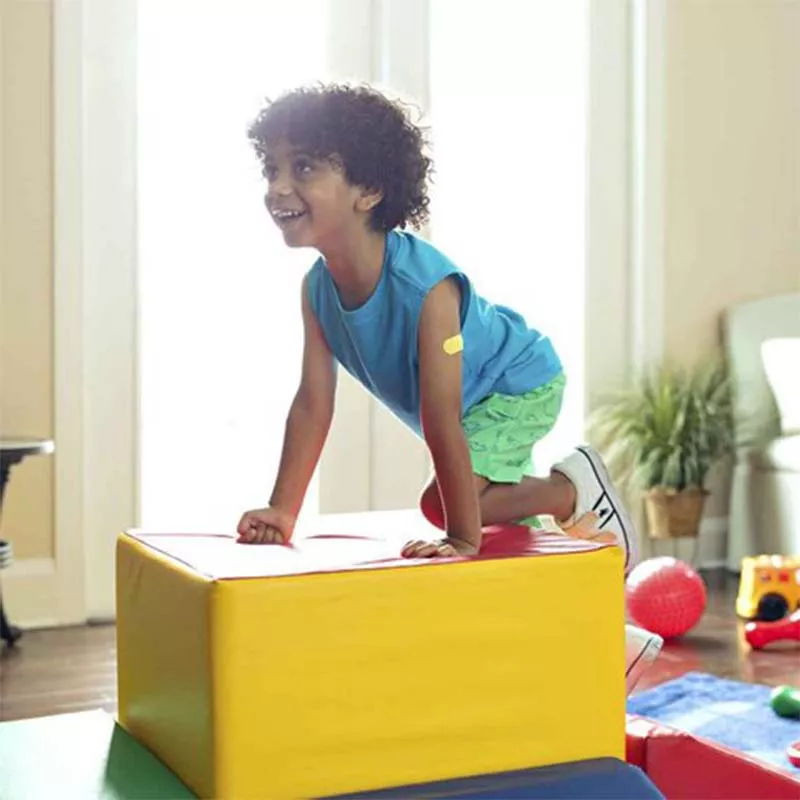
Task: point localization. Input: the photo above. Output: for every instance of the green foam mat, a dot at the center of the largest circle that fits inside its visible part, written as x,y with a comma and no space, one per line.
80,756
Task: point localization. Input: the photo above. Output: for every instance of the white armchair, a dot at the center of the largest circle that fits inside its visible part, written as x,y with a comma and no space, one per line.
765,492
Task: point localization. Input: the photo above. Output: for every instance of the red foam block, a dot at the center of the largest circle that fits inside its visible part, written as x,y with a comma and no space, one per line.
637,730
687,767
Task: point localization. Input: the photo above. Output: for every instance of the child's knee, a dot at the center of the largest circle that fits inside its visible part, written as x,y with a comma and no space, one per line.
430,505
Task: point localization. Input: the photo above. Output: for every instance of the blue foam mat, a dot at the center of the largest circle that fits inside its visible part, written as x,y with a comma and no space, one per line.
732,713
595,779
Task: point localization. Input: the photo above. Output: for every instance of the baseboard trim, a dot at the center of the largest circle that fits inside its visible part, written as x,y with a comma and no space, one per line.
713,542
30,593
714,565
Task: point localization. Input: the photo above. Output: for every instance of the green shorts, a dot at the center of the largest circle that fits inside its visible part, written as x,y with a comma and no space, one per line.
502,430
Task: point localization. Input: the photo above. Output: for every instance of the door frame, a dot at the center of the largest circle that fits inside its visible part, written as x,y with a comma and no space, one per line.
95,298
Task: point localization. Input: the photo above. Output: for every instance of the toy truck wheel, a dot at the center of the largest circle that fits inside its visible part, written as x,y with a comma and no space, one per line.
772,607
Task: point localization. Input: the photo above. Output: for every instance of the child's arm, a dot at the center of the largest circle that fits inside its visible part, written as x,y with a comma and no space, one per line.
307,427
440,408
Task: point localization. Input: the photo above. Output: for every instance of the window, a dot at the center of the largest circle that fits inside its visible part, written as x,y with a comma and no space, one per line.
220,330
509,119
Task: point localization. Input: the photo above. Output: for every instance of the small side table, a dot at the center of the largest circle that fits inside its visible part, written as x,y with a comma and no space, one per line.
12,451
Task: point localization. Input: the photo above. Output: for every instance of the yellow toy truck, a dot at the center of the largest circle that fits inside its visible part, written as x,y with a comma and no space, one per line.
769,587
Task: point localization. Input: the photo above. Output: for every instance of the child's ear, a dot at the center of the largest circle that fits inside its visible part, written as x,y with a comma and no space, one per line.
368,199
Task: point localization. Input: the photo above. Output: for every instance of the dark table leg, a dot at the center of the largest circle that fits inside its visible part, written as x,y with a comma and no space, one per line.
8,633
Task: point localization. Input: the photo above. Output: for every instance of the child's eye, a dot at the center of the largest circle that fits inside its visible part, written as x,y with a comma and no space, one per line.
303,167
270,172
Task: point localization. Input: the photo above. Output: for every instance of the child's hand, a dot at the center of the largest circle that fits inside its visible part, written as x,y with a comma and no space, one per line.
266,526
441,548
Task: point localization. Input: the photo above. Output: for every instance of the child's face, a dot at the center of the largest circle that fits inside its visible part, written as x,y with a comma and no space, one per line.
310,200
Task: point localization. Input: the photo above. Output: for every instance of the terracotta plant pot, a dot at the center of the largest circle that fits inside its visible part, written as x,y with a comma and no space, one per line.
672,514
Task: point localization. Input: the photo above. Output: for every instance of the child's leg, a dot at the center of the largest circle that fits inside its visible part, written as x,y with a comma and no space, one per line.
506,502
501,432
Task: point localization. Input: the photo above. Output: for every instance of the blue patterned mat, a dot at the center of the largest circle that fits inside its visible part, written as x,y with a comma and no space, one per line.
732,713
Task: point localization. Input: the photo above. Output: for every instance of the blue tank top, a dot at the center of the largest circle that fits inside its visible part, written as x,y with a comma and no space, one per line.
377,342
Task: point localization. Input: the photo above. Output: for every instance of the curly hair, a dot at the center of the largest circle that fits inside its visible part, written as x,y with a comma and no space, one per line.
380,147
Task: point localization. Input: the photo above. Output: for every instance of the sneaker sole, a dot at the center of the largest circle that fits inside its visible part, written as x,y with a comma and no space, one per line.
651,648
649,652
604,479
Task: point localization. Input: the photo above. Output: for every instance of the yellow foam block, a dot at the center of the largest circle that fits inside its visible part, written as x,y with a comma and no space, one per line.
332,666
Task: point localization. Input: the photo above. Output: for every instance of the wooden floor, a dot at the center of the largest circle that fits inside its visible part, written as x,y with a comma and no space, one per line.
55,671
717,646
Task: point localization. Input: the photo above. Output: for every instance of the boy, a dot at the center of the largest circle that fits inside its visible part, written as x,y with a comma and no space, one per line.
347,172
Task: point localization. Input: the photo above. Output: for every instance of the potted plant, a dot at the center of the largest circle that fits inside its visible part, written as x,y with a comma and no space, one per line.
663,436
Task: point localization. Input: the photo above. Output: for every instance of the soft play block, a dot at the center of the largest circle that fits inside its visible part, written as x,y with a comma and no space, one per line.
80,756
686,767
335,666
596,779
637,730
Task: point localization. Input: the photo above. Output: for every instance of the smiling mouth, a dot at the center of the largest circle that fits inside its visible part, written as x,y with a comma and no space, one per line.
282,216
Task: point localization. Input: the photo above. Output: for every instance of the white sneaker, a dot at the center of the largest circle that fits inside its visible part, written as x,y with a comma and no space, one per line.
595,494
641,650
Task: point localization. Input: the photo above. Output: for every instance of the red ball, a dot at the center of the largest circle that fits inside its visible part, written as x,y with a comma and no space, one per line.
665,596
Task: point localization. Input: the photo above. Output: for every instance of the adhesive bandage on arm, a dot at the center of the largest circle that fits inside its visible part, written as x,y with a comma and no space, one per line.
453,345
